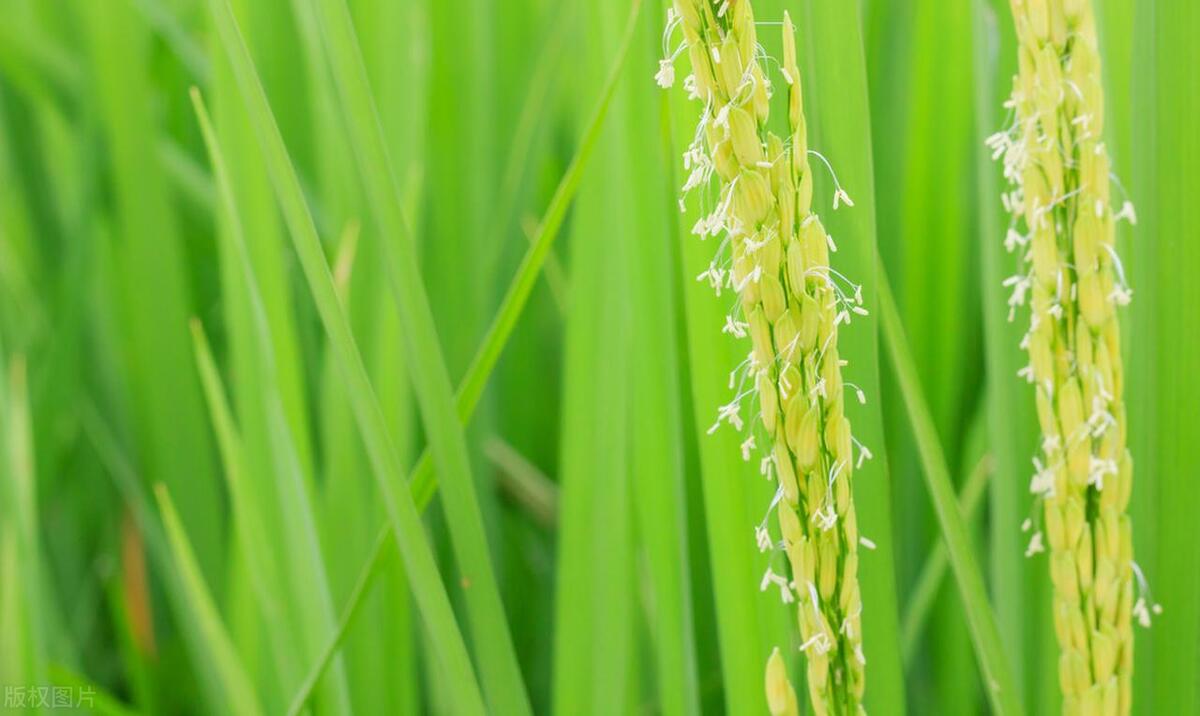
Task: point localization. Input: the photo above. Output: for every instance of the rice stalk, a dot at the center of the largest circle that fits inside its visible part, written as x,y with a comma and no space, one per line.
775,256
1063,222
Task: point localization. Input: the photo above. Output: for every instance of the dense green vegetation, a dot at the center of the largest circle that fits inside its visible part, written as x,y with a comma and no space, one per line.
353,359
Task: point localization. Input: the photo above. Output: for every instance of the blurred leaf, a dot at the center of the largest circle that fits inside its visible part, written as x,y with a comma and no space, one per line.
595,636
997,672
929,579
1164,348
501,676
232,689
299,542
23,653
423,480
264,571
173,437
422,571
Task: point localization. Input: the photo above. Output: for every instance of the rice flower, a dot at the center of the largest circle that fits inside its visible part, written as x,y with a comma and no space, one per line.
1072,281
774,254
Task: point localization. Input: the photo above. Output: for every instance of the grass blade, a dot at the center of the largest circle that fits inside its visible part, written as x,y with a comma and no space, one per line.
998,680
475,380
361,585
922,123
262,566
929,579
594,623
153,286
464,88
300,543
501,676
1165,348
423,479
235,690
656,421
23,655
418,558
224,681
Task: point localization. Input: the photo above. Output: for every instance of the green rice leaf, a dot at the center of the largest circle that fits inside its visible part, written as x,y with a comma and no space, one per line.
235,693
595,636
500,673
423,480
260,558
24,652
300,543
656,417
1020,587
1164,348
422,570
152,284
929,579
997,672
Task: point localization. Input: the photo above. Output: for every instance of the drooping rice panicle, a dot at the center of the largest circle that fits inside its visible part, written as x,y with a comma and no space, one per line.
775,255
1072,279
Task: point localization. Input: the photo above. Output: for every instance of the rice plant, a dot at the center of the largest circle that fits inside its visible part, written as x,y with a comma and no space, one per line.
353,358
1074,282
775,256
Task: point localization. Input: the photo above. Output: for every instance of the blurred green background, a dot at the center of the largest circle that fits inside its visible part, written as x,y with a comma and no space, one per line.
620,534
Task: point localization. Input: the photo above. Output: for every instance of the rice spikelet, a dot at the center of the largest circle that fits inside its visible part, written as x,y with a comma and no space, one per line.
1072,280
774,254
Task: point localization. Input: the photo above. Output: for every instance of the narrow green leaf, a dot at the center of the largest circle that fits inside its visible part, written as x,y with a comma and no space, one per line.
1164,348
470,390
207,640
173,438
258,221
923,130
929,579
997,673
423,480
23,654
361,585
501,676
300,542
656,420
236,693
263,568
418,558
594,621
464,86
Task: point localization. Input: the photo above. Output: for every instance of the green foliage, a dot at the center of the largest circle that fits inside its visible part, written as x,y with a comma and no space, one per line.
290,421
